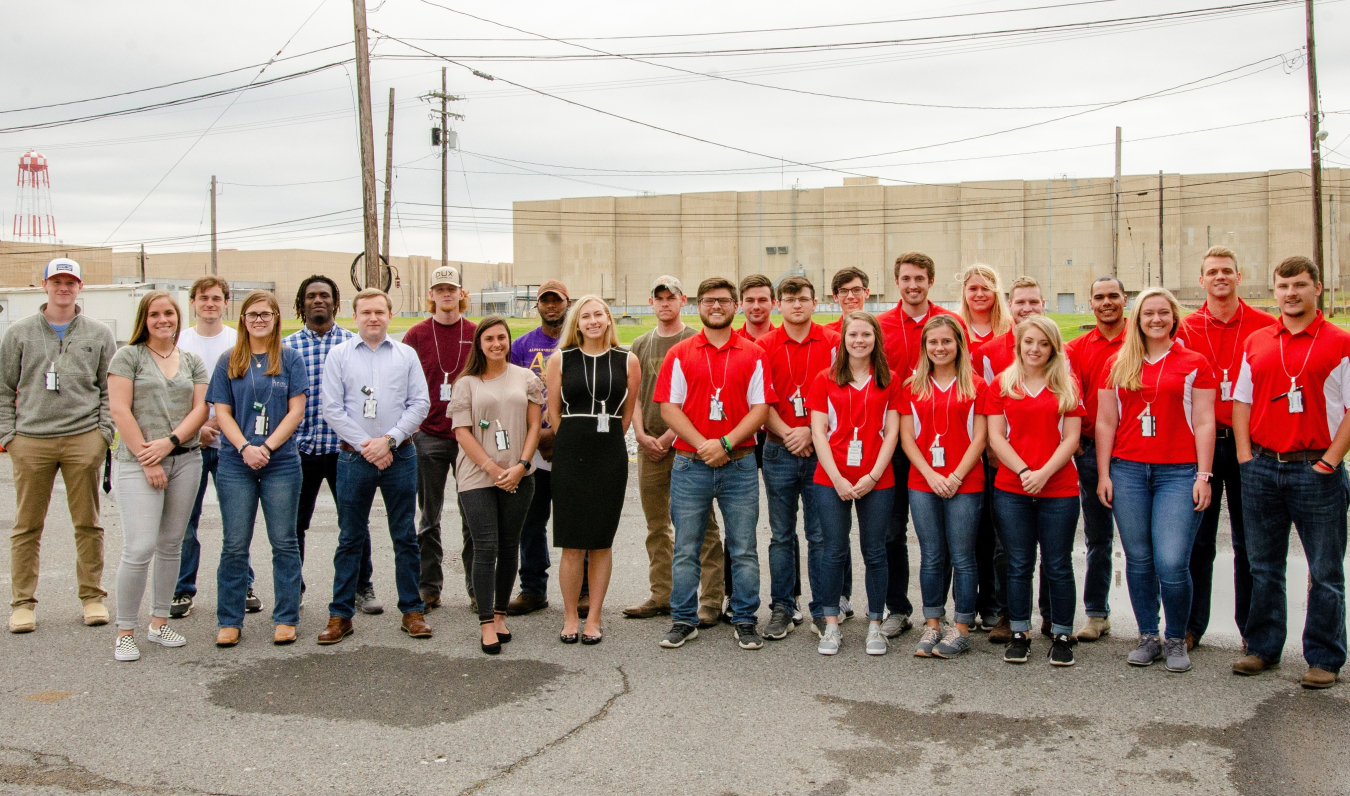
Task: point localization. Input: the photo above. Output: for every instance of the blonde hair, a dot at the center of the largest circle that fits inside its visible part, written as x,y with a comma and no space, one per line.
1127,372
921,383
1057,375
999,318
571,336
1219,251
140,330
372,292
242,353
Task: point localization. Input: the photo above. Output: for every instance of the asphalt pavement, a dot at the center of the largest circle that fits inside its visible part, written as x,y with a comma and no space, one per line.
381,713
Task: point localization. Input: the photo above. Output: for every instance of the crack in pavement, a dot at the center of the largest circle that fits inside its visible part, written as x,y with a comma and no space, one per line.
595,718
41,769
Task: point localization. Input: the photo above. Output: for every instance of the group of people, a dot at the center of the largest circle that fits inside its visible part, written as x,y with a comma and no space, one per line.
981,425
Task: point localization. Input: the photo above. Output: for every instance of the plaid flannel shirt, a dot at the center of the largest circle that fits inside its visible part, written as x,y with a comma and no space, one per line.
314,436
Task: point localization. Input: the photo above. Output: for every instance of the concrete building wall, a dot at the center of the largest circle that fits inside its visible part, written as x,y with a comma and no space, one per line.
1058,231
21,262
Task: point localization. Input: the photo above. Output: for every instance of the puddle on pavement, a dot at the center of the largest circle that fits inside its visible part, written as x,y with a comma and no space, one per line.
961,730
386,685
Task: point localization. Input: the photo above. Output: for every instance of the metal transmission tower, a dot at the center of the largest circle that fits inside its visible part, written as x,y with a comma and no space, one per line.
444,138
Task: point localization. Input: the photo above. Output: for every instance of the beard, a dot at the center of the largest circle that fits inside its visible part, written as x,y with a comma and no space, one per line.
711,324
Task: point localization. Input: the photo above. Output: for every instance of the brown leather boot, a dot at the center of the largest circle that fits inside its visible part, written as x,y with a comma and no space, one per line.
646,610
414,625
1252,664
338,629
1319,678
227,637
284,634
527,602
1002,632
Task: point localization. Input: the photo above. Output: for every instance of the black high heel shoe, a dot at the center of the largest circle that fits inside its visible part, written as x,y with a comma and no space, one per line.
490,649
502,637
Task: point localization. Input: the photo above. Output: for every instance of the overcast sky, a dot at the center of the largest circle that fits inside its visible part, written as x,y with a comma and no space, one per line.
289,151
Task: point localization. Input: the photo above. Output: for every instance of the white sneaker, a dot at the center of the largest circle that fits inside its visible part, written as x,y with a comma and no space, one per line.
876,641
895,624
125,649
166,636
829,641
845,609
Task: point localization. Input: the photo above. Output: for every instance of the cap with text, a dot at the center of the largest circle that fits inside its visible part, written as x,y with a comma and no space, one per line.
667,282
445,275
552,286
62,265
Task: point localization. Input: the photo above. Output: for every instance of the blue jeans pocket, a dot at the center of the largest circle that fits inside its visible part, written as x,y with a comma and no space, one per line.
682,463
745,463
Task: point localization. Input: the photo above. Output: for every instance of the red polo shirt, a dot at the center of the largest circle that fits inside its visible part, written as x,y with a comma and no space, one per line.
1090,360
744,335
793,367
1221,343
1168,386
974,342
695,371
1319,359
1035,428
995,356
850,408
902,333
948,416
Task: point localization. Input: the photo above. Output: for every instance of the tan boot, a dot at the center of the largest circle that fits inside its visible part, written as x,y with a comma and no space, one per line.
22,620
1251,664
646,610
284,634
1096,627
1319,678
95,613
227,637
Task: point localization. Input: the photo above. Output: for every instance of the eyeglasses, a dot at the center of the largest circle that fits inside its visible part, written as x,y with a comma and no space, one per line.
715,302
796,300
259,316
851,291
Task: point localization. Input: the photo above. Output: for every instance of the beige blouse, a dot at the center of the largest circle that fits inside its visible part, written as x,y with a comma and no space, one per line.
486,407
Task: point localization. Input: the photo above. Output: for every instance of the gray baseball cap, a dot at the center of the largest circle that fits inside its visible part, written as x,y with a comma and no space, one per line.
667,282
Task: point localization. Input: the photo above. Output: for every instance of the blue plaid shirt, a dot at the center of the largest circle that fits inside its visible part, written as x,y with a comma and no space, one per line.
314,436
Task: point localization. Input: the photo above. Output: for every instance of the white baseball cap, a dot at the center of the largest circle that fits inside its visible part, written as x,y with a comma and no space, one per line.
62,265
445,275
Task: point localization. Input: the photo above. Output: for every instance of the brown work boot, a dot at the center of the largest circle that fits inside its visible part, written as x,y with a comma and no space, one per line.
527,602
338,629
227,637
283,634
1319,678
431,602
1252,664
646,610
1191,641
1096,627
1002,632
414,625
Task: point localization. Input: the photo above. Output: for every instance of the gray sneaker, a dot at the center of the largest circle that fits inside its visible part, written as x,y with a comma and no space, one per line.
829,640
780,623
1177,659
895,624
953,644
818,624
747,636
876,641
1148,651
845,609
677,635
367,602
930,638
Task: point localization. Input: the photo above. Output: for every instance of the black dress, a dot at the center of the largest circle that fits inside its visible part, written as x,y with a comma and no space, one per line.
590,467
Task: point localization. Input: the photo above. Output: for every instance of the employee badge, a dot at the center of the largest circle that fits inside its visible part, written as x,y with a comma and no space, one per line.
260,419
503,439
1295,397
371,405
1225,388
715,411
53,380
937,454
798,404
602,420
447,389
1148,423
855,450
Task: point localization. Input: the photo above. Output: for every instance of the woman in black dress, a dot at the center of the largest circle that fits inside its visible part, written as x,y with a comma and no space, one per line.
592,389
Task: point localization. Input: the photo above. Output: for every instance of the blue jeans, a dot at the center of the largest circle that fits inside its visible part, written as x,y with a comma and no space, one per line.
1050,523
314,470
1156,513
1098,531
897,546
1227,476
240,490
875,511
693,488
357,481
1275,494
989,556
947,528
534,558
191,557
787,479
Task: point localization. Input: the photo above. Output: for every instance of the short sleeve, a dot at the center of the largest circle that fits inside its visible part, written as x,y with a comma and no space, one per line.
1079,410
534,389
818,398
1204,375
220,391
981,395
295,372
125,363
460,408
993,399
899,398
666,378
200,375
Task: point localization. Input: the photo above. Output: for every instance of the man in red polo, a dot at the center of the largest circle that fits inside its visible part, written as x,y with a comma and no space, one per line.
1089,358
1219,330
715,393
1292,432
1024,301
757,303
849,286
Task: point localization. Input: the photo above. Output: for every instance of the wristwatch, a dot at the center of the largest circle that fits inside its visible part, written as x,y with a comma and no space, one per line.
393,443
175,440
1204,477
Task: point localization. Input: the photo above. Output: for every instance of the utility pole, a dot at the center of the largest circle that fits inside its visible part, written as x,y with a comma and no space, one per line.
370,223
388,175
213,225
142,263
1115,215
1162,282
1315,139
445,97
1049,243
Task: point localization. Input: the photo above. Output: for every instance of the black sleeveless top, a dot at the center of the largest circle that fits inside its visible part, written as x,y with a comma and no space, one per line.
594,385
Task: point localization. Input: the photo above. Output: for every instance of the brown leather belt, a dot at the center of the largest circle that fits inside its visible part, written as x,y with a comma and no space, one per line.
1311,456
344,446
738,453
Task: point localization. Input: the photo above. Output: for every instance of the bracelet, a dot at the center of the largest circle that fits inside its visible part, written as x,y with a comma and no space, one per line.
1023,470
1324,463
726,446
266,448
875,480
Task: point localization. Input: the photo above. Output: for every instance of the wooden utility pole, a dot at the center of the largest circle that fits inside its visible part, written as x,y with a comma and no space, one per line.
1315,139
388,175
370,221
213,225
1049,243
142,263
1161,281
1115,215
445,97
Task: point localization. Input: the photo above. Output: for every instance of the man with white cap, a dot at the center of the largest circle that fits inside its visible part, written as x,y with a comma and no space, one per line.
442,343
54,415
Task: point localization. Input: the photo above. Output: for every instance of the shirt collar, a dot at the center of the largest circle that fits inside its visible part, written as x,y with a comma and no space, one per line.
736,341
308,332
1097,335
1310,331
361,342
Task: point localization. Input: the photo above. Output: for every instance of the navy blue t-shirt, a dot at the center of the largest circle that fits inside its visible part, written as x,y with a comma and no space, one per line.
273,392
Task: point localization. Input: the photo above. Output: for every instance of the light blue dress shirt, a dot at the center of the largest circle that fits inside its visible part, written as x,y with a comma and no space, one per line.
390,373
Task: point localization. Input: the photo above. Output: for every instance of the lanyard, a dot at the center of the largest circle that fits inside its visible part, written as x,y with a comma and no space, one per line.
806,366
253,388
459,348
593,381
867,396
1215,353
1293,380
946,409
717,389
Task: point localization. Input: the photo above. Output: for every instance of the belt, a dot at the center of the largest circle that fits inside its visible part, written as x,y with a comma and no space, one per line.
1085,440
344,446
1221,432
179,450
738,453
1310,456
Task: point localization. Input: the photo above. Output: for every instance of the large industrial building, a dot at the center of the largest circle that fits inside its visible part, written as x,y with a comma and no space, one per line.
1058,231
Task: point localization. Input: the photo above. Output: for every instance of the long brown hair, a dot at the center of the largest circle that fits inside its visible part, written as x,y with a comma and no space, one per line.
477,364
841,372
242,353
921,383
140,331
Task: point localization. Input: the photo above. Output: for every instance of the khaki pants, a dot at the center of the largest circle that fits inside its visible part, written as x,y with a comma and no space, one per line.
35,464
654,487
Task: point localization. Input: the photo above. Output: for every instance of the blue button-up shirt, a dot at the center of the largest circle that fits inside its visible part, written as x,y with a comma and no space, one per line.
390,373
314,436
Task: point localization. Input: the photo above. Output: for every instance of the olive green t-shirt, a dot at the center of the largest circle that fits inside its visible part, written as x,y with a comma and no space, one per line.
651,348
158,404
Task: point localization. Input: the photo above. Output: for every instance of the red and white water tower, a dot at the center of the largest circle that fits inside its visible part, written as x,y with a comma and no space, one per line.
33,219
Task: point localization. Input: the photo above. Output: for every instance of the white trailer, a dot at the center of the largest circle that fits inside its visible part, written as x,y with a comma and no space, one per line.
114,305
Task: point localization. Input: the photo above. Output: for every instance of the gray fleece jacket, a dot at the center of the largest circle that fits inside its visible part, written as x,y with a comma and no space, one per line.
27,352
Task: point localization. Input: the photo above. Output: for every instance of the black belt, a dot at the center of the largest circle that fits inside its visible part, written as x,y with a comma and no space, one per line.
1223,433
179,450
344,446
738,453
1310,456
1085,440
